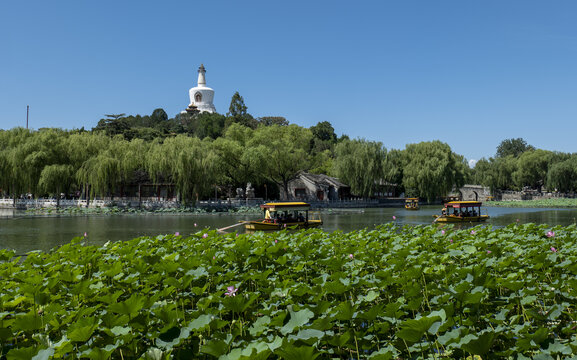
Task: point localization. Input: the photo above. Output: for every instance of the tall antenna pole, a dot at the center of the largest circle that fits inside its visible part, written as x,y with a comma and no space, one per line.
27,110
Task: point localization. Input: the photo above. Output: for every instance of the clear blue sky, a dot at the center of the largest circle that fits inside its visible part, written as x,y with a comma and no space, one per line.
468,73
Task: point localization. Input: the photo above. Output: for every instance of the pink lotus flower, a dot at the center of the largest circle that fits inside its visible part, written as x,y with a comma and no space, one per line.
275,241
473,232
230,291
205,236
488,251
551,234
85,235
553,249
351,256
214,258
451,240
443,232
194,224
177,234
394,217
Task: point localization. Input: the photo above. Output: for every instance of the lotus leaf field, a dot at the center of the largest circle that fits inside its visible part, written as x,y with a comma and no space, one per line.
421,292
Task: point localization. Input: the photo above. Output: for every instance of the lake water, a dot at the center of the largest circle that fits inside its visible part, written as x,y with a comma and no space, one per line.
24,232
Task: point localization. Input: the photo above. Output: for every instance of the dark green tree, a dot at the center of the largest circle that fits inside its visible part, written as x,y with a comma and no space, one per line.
324,137
514,147
562,176
114,125
272,120
532,167
159,115
237,113
324,131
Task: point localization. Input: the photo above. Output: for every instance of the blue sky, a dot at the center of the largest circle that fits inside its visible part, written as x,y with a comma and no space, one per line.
468,73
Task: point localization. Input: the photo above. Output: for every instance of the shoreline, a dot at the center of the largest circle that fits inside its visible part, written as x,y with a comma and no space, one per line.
568,203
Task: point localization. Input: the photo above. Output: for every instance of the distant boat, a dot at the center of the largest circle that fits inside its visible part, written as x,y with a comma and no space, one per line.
461,211
412,203
285,215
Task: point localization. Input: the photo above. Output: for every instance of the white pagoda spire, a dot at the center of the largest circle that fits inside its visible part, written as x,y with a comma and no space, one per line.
201,77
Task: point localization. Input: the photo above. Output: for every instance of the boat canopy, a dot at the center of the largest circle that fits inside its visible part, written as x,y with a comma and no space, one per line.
463,204
411,199
286,206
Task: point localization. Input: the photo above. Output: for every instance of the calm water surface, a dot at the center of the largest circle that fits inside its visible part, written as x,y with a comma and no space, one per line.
24,232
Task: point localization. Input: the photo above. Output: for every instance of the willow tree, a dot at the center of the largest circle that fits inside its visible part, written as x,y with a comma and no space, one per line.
55,179
359,164
187,161
100,173
482,173
562,176
233,165
12,174
532,167
82,148
503,169
393,169
131,157
36,151
280,152
431,169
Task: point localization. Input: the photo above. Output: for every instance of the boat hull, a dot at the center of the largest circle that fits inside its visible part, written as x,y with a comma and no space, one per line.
271,226
461,219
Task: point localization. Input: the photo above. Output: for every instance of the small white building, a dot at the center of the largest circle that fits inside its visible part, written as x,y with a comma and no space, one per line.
201,96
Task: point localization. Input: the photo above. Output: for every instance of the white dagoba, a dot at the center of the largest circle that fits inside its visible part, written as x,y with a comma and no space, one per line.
201,96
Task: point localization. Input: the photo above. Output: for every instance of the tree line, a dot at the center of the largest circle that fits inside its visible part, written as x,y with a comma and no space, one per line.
518,165
201,152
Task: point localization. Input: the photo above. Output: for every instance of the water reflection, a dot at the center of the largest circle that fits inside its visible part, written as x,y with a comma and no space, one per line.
25,232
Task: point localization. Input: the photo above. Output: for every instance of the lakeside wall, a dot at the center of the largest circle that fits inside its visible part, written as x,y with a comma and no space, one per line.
532,195
154,203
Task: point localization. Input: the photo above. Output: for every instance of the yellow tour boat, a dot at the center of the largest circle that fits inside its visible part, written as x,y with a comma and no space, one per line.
461,211
285,215
412,203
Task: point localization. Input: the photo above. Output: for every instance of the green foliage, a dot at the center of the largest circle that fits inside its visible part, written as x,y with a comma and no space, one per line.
539,203
563,175
233,163
393,168
229,153
532,167
279,153
431,169
388,293
188,162
272,120
203,125
237,113
324,131
512,147
359,163
324,137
